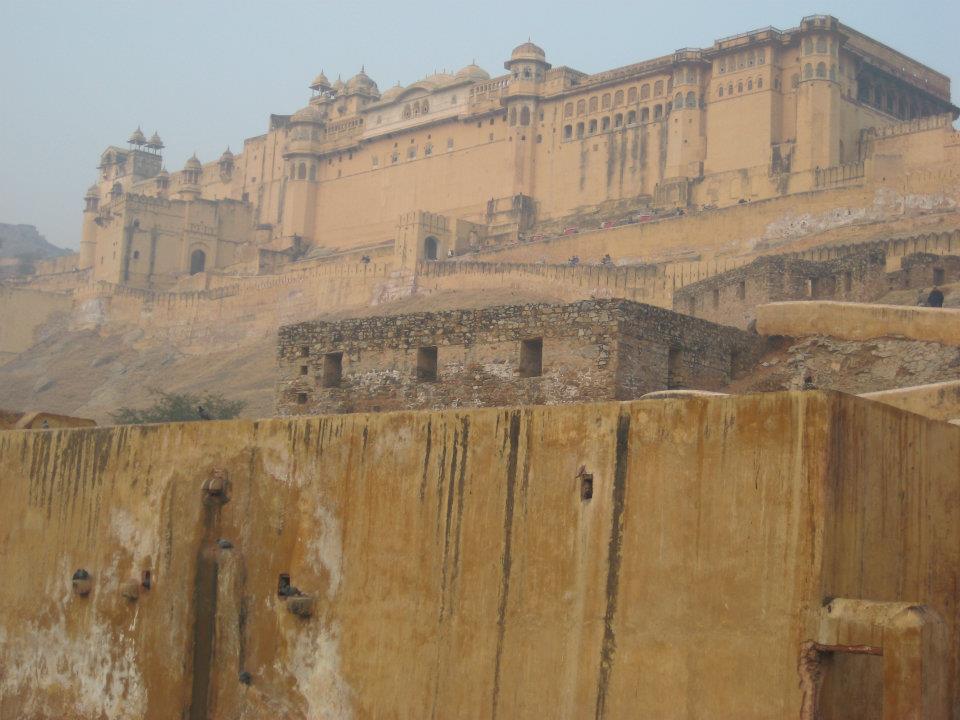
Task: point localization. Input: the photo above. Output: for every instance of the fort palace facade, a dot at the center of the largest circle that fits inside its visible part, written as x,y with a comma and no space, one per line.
457,162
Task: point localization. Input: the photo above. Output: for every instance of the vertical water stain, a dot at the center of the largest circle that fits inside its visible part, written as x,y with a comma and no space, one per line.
614,551
205,614
507,553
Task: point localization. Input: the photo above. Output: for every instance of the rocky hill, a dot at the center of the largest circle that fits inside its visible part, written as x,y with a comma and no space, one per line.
25,241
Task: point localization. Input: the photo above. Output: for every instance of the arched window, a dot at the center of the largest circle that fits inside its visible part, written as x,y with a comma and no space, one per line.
313,172
406,111
593,104
567,132
198,261
618,120
807,71
645,91
751,59
795,81
678,100
581,107
657,112
593,126
302,172
605,123
424,107
416,109
760,83
821,70
720,91
821,45
691,100
644,115
658,88
618,96
524,115
632,117
740,87
605,102
730,89
513,116
808,46
430,247
750,84
579,129
568,110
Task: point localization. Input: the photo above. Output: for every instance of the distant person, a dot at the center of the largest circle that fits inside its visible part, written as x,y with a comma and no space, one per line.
574,261
935,298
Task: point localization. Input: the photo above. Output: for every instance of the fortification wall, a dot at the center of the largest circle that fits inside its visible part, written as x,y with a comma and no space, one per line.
24,311
856,321
452,568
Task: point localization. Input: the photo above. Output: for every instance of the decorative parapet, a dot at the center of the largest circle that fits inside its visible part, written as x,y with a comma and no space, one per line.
838,174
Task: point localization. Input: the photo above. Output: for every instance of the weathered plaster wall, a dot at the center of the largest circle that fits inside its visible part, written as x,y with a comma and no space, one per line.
22,313
859,321
940,401
455,569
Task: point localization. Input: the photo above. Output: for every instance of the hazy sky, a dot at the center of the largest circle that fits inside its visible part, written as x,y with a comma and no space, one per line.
78,75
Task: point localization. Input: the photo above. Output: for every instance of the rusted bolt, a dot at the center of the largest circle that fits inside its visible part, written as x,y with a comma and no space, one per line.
301,606
82,582
216,488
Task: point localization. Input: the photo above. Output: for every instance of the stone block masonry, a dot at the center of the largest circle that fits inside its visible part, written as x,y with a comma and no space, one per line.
520,354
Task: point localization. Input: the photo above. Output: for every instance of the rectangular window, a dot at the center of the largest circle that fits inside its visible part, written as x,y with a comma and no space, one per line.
304,369
531,357
742,290
332,369
301,398
305,351
938,276
427,364
674,368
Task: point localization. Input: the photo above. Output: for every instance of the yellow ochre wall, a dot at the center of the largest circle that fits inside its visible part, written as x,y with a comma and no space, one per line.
456,571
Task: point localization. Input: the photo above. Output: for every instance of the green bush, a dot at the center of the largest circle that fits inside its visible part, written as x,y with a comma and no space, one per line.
179,407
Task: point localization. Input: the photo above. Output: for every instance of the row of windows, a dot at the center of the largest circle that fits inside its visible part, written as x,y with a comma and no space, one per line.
749,85
427,368
890,101
821,45
608,100
821,71
617,122
742,60
690,103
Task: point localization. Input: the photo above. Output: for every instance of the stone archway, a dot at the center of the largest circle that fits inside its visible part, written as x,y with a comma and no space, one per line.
198,261
431,247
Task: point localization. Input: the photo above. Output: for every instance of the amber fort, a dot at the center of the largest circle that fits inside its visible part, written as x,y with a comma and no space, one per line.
613,395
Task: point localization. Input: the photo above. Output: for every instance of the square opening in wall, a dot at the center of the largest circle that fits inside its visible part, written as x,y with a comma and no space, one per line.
427,364
531,357
301,398
304,369
304,351
586,486
674,368
332,369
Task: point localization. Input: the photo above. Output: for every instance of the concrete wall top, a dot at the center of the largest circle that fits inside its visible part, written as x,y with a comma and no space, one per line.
859,321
